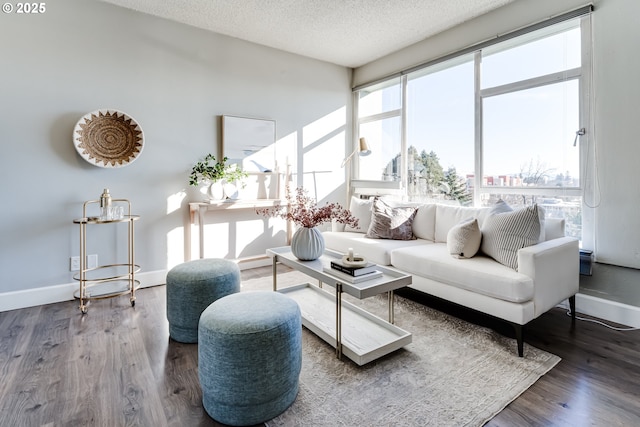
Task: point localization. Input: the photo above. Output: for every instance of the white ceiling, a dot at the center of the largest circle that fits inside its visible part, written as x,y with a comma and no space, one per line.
344,32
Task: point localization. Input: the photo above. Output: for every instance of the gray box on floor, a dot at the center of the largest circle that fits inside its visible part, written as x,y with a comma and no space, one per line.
586,262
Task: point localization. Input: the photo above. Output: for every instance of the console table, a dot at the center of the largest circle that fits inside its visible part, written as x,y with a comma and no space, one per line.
198,210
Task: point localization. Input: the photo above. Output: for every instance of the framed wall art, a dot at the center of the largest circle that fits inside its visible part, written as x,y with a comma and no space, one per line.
250,143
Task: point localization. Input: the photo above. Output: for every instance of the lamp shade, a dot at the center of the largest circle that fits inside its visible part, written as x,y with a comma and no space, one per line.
364,147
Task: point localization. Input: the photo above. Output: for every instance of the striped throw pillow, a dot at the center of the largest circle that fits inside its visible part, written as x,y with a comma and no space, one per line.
503,234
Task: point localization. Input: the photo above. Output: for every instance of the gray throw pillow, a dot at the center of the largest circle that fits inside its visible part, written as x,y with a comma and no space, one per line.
503,234
463,239
391,223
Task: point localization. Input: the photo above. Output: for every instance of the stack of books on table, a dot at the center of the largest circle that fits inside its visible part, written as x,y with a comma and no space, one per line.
353,274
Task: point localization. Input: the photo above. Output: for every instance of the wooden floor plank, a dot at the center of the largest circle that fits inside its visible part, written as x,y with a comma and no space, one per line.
16,327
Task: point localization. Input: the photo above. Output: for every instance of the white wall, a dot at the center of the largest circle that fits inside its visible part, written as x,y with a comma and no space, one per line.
175,80
616,36
617,111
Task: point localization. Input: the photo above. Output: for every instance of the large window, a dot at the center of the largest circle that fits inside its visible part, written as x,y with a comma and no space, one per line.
497,122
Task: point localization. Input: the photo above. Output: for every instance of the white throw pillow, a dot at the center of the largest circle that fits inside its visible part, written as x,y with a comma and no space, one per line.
504,234
361,209
463,240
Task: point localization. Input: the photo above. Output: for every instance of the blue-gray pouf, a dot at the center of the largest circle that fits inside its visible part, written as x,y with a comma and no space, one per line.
249,357
191,287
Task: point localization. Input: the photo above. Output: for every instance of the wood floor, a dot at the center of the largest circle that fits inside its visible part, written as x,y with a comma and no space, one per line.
116,366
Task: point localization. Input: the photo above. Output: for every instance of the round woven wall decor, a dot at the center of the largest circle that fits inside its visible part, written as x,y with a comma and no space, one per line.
108,138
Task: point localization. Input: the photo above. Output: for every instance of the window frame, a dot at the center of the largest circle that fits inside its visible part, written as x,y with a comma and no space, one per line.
582,74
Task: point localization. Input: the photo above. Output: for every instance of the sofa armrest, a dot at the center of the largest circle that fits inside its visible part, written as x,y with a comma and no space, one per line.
554,266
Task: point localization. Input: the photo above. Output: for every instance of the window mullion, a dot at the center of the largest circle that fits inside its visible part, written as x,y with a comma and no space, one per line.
380,116
477,181
560,76
532,191
404,164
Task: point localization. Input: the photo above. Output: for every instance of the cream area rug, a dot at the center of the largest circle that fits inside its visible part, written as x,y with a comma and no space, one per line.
453,373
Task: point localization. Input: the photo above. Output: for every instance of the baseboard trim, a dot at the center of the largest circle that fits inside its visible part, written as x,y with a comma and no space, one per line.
58,293
254,262
64,292
612,311
606,310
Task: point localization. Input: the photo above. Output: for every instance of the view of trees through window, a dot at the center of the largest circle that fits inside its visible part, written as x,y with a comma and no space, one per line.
512,138
427,179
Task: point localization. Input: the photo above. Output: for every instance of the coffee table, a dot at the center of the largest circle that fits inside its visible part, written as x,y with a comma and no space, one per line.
353,331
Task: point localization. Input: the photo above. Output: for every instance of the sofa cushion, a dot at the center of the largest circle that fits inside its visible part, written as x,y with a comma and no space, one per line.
361,209
463,240
391,223
424,223
374,250
505,233
479,274
448,216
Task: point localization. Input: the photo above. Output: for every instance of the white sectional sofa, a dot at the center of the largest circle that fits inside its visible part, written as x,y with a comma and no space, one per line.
547,272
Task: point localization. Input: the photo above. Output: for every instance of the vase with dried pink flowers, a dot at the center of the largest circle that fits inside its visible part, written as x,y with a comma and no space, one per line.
307,243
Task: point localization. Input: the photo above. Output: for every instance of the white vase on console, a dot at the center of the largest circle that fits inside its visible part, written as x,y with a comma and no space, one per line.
212,191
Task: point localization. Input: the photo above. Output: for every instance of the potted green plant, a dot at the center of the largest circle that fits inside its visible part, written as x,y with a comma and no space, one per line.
212,172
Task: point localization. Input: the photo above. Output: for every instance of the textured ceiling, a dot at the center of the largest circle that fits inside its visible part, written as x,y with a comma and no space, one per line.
345,32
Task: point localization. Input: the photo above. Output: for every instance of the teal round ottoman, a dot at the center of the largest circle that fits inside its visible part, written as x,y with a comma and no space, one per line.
191,287
249,357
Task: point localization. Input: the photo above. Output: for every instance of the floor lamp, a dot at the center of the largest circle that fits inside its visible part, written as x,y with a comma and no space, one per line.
362,150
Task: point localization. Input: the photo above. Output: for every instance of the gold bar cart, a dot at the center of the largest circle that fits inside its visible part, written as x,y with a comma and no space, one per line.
106,281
